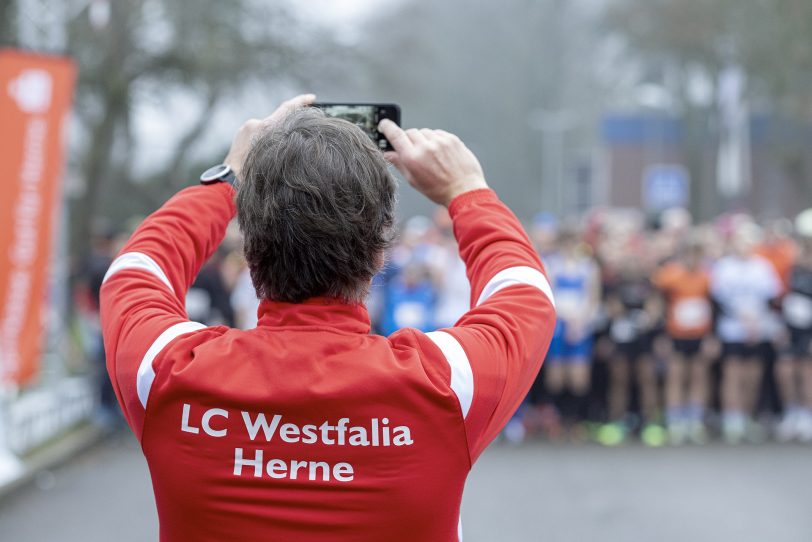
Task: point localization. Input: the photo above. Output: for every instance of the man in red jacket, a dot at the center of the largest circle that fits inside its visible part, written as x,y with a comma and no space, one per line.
307,427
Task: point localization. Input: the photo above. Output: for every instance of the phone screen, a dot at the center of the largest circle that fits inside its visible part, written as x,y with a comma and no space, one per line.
365,116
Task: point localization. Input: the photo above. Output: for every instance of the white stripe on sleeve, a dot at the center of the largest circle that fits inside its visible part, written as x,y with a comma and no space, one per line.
146,374
137,260
462,377
517,275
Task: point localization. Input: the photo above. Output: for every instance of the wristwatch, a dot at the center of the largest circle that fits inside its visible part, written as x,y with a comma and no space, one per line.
221,173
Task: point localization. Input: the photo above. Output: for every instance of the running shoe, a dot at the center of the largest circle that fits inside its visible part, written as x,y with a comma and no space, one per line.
678,432
734,427
654,435
786,430
697,433
578,433
803,429
755,433
611,434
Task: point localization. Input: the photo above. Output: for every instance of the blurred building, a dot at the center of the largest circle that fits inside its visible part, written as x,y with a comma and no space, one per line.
648,161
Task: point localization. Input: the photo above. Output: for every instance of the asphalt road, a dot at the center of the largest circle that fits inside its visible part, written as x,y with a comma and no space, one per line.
530,493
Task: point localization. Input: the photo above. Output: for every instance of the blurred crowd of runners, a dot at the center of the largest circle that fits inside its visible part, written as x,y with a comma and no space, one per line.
668,331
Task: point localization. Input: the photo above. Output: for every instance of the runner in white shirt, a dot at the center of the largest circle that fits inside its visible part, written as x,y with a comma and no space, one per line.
454,297
744,286
244,300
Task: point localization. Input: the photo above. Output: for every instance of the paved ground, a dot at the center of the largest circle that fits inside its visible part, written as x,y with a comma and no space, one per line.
530,493
715,493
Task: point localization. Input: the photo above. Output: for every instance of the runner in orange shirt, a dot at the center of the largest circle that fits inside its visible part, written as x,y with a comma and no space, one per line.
685,286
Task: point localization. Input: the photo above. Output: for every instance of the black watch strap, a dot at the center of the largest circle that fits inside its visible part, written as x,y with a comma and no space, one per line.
230,178
221,173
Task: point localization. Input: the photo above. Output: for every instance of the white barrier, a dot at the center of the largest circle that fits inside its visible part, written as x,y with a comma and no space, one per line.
11,467
38,416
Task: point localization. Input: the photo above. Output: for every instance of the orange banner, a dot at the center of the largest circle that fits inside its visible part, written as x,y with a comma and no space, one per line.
35,98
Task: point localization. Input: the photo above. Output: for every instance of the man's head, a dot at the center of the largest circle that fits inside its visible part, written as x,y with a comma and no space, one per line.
316,208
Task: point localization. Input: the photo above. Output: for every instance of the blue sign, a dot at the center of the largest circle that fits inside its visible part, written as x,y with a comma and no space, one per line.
665,186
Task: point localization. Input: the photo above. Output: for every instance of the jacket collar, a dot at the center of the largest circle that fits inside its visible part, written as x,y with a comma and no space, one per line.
316,312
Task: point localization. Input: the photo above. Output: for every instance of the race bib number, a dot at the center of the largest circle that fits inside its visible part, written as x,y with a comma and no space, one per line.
623,330
411,314
797,310
692,313
569,302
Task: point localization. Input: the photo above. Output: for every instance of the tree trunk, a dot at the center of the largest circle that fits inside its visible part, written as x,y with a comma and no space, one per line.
96,169
8,17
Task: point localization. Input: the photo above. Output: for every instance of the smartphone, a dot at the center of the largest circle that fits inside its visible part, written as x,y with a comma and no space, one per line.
365,116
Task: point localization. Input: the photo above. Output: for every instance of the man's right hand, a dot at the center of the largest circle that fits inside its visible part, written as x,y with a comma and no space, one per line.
435,162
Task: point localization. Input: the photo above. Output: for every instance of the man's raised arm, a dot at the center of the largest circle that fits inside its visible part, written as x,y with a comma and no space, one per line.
496,349
144,291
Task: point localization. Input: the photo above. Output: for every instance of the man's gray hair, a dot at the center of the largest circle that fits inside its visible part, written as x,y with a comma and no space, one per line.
316,207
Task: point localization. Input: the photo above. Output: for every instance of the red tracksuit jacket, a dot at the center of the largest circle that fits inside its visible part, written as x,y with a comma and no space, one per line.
307,427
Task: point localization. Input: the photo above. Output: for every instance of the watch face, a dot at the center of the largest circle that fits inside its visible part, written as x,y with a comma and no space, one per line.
215,173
